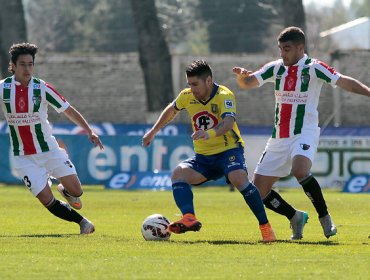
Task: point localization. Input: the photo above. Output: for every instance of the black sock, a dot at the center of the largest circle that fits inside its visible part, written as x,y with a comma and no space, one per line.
276,203
313,191
64,211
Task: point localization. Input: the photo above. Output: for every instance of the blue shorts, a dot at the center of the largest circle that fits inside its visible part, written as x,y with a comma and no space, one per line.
215,166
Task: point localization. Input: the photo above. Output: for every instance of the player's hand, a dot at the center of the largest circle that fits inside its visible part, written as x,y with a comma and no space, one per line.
200,134
94,138
148,138
240,71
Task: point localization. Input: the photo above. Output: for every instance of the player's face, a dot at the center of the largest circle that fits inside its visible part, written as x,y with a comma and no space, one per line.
23,68
201,88
290,52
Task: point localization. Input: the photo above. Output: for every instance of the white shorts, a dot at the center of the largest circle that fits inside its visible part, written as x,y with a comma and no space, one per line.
35,170
276,159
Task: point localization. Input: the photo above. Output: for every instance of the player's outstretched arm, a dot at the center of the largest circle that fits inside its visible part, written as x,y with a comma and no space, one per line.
245,78
167,115
78,119
352,85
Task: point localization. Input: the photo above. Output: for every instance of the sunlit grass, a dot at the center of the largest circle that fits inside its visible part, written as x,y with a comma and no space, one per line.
36,245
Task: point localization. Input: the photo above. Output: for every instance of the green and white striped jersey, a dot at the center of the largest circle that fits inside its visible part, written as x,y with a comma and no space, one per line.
25,109
297,92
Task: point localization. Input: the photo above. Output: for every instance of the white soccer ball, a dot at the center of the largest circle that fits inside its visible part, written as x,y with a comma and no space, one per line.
155,227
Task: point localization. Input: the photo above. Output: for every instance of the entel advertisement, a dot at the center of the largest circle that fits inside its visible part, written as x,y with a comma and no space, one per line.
338,157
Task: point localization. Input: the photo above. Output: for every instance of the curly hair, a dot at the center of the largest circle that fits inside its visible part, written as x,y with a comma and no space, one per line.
21,48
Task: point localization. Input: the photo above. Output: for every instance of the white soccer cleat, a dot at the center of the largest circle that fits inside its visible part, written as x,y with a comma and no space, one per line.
328,226
75,202
86,227
297,224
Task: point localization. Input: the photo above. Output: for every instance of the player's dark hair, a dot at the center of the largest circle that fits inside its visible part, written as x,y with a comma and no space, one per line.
292,33
199,68
21,48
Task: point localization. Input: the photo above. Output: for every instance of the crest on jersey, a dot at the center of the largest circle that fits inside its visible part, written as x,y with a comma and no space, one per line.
36,86
7,85
305,79
21,103
214,108
204,120
36,100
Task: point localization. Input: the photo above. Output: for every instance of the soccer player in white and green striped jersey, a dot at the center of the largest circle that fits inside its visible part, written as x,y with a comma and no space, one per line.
297,82
36,154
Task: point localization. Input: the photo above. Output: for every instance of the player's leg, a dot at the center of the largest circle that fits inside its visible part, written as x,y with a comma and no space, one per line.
60,166
70,188
63,211
275,163
239,179
273,201
183,176
301,167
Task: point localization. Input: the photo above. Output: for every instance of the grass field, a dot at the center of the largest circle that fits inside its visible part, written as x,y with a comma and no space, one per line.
36,245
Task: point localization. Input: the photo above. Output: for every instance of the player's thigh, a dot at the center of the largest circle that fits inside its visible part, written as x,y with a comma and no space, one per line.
275,161
61,167
303,153
184,173
35,177
72,184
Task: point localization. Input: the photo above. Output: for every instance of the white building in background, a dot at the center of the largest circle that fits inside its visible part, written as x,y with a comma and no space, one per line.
353,35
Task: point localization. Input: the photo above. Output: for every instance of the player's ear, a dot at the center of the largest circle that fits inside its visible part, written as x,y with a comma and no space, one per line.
209,81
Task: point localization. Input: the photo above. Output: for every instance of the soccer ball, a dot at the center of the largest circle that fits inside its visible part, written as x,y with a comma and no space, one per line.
155,227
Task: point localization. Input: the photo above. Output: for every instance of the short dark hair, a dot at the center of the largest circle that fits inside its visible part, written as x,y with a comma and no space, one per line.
292,33
21,48
199,68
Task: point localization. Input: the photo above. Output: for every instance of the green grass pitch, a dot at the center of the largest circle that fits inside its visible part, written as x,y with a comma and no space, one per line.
37,245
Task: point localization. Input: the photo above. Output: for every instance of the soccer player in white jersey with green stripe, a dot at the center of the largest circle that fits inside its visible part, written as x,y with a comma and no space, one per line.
36,154
297,84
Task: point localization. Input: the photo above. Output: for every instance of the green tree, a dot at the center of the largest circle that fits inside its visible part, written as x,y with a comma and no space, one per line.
12,29
361,8
155,59
238,25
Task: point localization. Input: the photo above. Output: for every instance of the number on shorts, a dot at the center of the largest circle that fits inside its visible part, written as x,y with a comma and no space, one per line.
27,181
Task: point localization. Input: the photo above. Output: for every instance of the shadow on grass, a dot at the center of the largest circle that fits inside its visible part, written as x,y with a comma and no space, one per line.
234,242
40,235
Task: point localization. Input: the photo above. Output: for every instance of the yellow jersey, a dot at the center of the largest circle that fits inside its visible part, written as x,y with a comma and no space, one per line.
206,115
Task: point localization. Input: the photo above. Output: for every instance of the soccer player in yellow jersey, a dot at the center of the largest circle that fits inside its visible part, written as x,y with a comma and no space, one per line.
218,146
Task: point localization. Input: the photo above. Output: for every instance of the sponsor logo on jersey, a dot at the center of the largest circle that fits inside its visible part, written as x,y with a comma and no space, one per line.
214,108
7,85
305,147
36,86
229,104
232,158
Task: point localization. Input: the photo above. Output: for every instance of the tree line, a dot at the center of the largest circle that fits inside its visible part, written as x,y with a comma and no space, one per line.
154,28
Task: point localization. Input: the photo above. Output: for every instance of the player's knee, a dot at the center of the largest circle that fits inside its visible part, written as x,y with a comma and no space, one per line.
177,175
299,174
